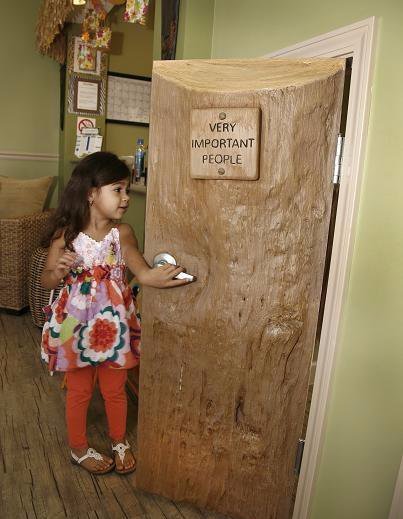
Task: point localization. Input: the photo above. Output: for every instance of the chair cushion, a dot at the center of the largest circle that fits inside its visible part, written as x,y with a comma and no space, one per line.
23,197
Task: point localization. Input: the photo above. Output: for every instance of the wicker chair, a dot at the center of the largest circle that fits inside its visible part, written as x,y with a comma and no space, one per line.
37,295
19,237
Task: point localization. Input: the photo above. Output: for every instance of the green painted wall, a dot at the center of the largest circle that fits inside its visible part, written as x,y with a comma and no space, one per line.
29,95
364,434
194,30
133,54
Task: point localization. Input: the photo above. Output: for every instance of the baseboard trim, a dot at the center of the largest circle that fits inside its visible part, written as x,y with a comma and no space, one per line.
22,155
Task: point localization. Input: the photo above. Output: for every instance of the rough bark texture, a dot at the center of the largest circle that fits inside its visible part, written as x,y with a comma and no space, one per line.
226,360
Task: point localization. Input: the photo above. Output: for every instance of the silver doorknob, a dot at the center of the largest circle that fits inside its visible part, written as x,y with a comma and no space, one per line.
163,258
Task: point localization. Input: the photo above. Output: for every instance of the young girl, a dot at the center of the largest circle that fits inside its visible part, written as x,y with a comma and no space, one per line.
92,325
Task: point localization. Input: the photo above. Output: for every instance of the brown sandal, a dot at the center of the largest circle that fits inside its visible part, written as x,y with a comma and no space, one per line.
91,453
121,449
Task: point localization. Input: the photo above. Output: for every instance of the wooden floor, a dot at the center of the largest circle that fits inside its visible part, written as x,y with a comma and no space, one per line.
36,477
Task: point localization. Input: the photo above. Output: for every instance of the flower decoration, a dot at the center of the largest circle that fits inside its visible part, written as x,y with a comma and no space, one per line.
101,338
80,301
95,32
60,307
136,11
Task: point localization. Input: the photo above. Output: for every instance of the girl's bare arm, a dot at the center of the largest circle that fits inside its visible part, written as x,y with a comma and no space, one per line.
58,263
160,277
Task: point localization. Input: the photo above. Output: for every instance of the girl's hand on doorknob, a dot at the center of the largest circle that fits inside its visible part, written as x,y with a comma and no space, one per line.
157,277
162,277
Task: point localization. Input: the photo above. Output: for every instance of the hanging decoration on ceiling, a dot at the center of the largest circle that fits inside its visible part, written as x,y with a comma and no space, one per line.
58,49
136,11
169,28
96,32
50,38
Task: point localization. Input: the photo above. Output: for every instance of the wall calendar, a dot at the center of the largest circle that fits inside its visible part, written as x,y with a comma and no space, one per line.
128,99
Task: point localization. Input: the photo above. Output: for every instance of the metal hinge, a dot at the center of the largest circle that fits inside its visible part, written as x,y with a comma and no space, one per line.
338,160
298,457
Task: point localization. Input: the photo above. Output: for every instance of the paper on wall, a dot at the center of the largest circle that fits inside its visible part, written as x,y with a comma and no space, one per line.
86,144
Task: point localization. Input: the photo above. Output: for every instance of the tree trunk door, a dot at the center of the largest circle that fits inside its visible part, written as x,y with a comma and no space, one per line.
226,360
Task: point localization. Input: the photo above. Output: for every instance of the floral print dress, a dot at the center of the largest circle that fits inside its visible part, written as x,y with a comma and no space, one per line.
93,320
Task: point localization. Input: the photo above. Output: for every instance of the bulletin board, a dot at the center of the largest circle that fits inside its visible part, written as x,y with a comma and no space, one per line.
128,99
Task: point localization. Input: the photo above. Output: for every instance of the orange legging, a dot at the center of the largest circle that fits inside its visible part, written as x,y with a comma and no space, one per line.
80,384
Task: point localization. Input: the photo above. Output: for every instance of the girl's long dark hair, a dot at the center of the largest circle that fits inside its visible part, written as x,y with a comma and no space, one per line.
72,215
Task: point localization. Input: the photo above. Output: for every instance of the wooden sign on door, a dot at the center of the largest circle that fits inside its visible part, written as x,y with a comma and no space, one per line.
225,143
226,360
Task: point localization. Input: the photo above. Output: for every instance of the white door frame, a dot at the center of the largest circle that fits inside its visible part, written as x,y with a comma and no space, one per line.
356,40
396,509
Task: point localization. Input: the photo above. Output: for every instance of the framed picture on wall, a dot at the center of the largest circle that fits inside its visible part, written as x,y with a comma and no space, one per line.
83,59
128,99
87,59
86,97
